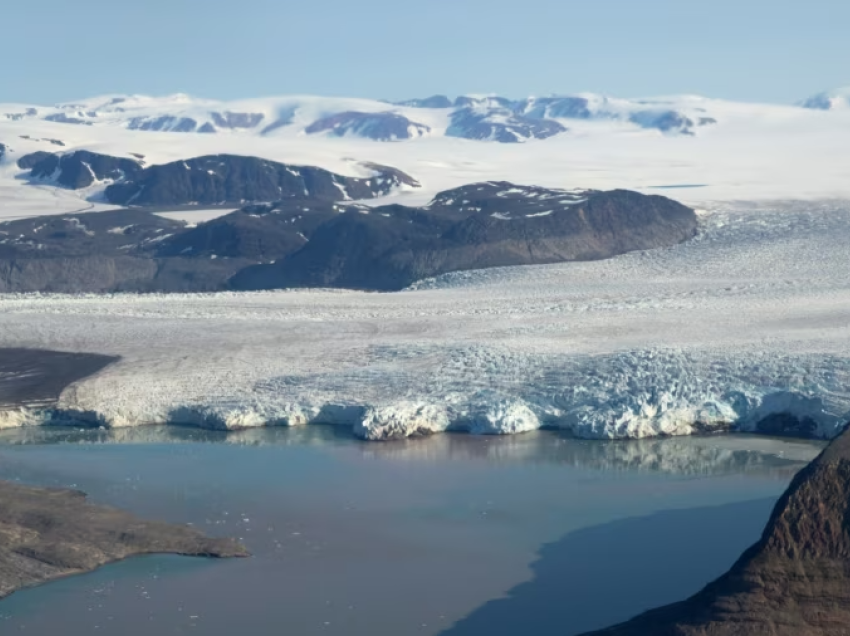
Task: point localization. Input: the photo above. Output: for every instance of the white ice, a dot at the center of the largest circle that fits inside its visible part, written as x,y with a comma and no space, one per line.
754,152
747,320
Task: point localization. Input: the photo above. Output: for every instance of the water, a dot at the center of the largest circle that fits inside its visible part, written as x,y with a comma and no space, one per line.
452,535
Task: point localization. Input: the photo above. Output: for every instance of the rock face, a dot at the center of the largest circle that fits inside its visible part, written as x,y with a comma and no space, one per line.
259,232
27,162
80,169
669,121
794,582
62,118
322,242
435,101
209,180
220,179
233,121
377,126
499,123
47,534
102,252
838,99
477,226
164,123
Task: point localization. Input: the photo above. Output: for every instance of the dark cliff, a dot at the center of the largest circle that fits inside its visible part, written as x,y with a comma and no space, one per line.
794,582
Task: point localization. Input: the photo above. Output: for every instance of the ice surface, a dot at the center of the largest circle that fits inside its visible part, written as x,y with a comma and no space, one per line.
746,322
755,151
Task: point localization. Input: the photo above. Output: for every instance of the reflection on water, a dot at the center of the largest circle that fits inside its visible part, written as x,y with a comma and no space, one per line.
393,538
695,455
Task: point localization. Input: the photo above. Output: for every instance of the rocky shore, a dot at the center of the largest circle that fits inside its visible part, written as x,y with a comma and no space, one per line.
47,534
794,582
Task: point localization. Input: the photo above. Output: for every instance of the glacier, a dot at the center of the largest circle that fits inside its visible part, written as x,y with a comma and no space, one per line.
743,328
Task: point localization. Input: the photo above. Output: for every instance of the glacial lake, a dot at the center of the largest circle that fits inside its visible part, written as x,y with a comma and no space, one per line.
452,535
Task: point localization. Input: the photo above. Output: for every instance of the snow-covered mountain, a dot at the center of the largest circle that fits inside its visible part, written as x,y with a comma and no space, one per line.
830,100
479,117
715,149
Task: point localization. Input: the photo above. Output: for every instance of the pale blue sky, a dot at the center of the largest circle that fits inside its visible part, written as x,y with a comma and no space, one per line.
769,50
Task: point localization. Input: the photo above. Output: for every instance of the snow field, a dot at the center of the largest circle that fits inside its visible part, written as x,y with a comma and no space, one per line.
749,320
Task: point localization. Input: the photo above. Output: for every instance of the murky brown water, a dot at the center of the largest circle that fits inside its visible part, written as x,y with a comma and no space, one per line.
395,539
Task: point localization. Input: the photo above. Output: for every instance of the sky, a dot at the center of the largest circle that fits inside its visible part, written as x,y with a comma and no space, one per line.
754,50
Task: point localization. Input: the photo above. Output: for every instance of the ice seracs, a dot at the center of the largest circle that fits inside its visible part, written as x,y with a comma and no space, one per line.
398,421
504,417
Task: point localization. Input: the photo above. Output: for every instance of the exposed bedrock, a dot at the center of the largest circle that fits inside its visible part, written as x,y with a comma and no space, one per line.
478,226
315,241
47,534
794,582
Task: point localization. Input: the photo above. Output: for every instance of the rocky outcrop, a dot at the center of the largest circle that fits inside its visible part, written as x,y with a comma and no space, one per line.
163,123
62,118
838,99
234,121
261,233
435,101
27,162
46,534
103,252
209,180
82,168
669,121
501,125
221,179
556,107
320,242
377,126
794,582
478,226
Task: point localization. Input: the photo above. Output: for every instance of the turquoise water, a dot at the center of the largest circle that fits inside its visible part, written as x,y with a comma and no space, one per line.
416,537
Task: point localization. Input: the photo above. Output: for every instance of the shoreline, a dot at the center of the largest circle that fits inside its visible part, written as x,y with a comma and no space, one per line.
71,419
37,388
53,533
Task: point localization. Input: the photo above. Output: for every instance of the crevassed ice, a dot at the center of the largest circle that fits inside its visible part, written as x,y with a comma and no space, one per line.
490,391
743,327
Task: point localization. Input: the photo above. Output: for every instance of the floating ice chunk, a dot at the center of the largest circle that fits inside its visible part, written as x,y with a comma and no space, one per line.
406,419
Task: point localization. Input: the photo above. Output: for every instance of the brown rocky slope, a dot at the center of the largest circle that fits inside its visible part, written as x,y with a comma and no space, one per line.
794,582
49,533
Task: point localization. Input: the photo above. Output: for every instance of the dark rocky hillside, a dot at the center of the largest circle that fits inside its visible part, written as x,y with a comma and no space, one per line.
473,227
795,581
377,126
209,180
102,252
500,125
163,123
28,161
220,179
261,232
319,242
79,169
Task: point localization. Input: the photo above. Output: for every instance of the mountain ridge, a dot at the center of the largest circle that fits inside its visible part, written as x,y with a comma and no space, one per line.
509,120
323,241
795,581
